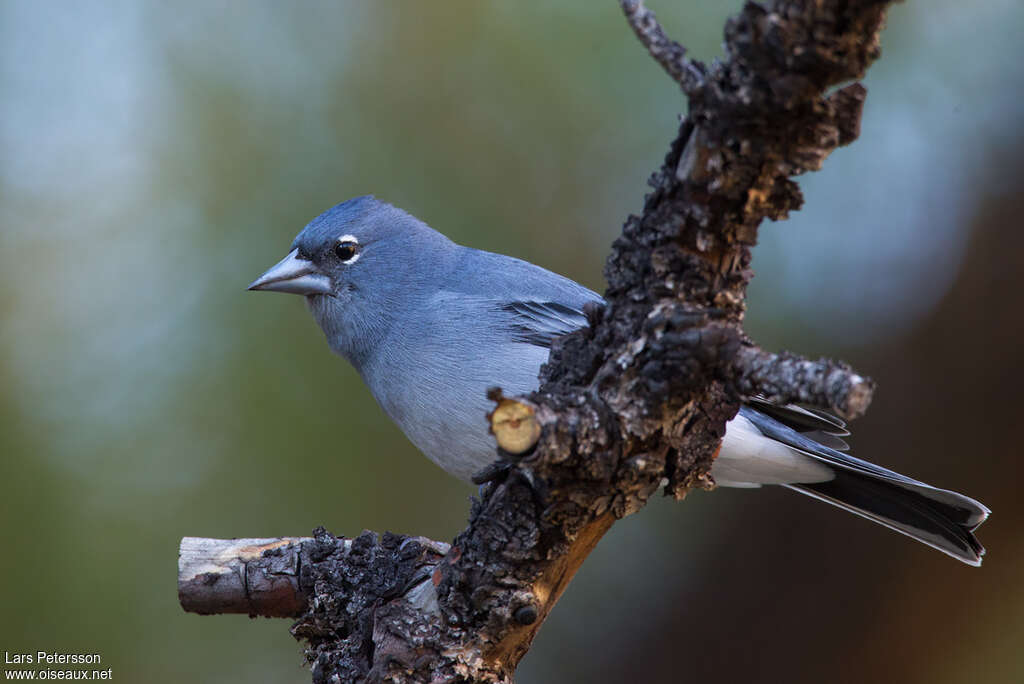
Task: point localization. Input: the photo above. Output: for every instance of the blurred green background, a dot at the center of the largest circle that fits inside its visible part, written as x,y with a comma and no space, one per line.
156,157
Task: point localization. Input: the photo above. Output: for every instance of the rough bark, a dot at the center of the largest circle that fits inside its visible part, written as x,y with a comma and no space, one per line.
635,402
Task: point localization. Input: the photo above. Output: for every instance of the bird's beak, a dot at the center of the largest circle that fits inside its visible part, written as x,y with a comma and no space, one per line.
295,275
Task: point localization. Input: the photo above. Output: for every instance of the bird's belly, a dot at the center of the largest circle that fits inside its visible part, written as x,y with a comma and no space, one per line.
455,436
442,406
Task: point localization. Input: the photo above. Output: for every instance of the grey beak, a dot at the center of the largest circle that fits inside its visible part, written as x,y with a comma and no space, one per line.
294,275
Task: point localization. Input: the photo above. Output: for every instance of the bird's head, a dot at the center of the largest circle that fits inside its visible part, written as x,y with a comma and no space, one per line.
356,264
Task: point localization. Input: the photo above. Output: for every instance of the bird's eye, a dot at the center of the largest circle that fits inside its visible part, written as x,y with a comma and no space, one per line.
347,250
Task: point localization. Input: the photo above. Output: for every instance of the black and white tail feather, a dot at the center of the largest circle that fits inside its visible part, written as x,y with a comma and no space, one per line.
940,518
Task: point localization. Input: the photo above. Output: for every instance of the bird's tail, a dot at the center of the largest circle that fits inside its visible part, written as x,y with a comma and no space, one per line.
940,518
932,520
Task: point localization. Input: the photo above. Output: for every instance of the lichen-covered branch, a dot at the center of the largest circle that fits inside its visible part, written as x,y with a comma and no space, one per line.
640,397
787,378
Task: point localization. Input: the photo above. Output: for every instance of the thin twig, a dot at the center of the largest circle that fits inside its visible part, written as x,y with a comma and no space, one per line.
667,52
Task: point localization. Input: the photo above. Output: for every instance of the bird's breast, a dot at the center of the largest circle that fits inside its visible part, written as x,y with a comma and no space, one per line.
437,394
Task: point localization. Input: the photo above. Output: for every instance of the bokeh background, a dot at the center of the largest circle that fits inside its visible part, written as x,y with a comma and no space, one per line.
156,157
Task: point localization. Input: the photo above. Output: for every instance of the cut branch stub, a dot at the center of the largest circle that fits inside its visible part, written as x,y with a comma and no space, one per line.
514,424
251,576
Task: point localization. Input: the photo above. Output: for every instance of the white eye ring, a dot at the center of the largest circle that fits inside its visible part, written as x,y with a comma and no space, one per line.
347,249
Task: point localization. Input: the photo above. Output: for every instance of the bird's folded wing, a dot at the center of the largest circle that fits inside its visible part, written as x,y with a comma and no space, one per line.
540,322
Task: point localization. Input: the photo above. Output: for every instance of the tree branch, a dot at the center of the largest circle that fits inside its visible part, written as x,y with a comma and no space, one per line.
252,576
639,398
265,577
665,51
785,378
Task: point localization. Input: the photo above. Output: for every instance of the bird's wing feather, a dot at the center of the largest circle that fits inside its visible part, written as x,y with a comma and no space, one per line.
539,323
534,305
801,419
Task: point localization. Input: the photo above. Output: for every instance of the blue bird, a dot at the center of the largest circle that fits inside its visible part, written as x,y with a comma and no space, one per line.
431,325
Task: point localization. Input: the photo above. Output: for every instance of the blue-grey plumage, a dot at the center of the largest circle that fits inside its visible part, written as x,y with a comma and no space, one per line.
430,325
